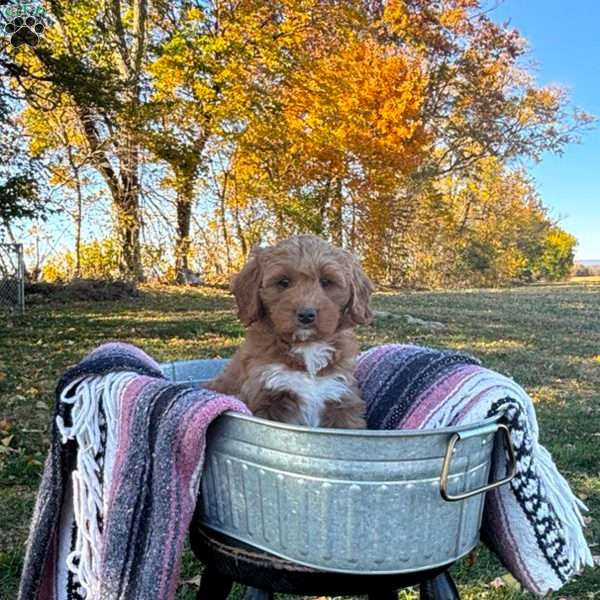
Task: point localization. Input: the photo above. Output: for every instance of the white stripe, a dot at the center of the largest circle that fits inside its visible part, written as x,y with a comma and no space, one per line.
87,490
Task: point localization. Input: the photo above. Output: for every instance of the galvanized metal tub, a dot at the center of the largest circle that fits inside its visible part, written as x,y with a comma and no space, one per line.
343,500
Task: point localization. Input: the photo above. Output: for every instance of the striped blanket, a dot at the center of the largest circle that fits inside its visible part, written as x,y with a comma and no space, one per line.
121,479
120,482
534,524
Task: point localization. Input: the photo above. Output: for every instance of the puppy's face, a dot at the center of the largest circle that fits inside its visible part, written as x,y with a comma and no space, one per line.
306,287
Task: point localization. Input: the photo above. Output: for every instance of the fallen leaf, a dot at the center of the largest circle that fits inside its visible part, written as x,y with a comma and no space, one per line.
7,440
506,581
195,581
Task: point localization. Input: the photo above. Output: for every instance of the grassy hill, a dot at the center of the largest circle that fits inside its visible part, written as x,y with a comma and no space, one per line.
547,337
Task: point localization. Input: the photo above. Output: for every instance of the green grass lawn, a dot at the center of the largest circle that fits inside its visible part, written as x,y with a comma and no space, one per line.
546,337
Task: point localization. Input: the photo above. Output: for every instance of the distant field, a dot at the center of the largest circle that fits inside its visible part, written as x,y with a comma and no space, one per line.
590,279
589,263
546,336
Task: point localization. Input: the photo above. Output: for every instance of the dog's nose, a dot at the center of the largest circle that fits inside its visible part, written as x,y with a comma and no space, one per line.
306,314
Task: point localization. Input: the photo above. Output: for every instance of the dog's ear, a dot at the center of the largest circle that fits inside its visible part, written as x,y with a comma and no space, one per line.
245,287
358,310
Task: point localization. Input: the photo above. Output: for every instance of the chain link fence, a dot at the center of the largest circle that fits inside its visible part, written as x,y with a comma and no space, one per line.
12,277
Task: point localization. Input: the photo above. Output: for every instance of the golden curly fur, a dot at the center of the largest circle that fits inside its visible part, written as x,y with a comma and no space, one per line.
299,301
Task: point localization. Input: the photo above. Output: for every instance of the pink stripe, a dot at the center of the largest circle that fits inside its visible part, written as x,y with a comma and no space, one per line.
433,397
186,451
365,363
125,410
189,453
497,522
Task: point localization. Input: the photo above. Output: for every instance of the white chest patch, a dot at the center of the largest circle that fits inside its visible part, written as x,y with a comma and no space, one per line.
316,355
313,391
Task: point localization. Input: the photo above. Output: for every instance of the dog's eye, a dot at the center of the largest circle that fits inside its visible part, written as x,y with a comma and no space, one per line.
283,283
326,282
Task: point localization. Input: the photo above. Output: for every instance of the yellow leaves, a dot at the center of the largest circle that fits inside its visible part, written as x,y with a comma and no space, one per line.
426,25
359,103
453,17
6,437
59,175
98,260
396,15
52,130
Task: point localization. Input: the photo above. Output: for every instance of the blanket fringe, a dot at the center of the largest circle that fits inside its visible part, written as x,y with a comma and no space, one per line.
568,509
86,395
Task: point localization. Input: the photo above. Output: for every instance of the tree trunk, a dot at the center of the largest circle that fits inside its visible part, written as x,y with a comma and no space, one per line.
240,231
336,214
78,230
75,169
352,232
225,231
128,223
127,196
223,217
183,241
128,213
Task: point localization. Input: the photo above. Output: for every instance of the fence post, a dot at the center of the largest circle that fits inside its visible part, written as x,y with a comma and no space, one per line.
12,276
21,259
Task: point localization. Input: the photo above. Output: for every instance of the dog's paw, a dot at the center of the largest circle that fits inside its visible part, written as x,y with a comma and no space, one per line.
24,30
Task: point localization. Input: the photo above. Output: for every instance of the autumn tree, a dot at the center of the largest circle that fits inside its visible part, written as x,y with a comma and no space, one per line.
490,229
57,141
214,74
91,65
556,259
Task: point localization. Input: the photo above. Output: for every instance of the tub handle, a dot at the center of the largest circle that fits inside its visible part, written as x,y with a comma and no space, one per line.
454,438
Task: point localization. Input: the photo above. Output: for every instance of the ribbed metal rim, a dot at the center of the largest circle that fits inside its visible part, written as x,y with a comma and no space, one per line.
363,433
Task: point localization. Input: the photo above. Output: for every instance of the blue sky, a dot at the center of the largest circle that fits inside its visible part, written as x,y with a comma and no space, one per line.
565,43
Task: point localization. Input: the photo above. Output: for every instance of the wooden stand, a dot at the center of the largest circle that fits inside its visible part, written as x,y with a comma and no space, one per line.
227,561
